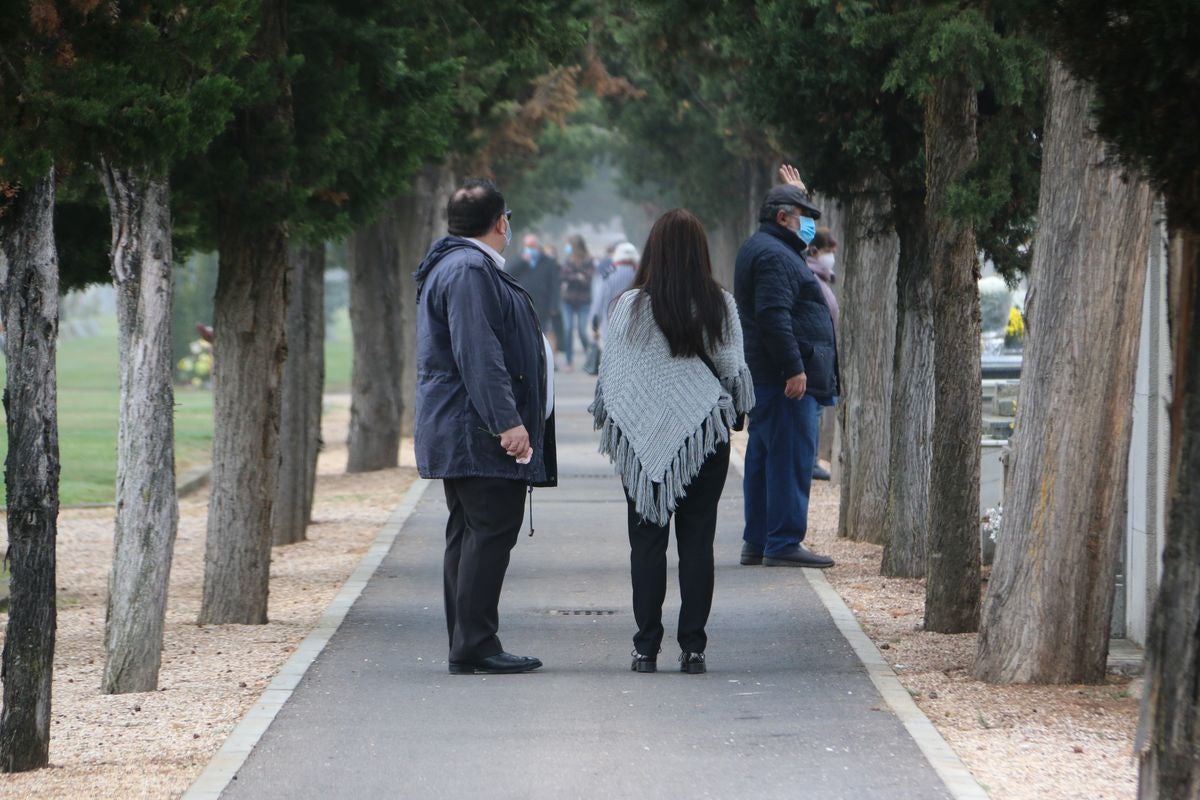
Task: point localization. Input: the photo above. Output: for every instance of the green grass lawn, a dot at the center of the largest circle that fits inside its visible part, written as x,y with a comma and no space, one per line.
339,352
88,400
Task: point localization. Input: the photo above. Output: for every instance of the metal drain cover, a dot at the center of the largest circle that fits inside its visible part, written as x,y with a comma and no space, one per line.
582,612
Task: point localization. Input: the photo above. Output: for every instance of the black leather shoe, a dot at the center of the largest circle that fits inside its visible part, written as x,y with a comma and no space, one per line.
820,473
798,556
643,663
751,555
500,664
692,663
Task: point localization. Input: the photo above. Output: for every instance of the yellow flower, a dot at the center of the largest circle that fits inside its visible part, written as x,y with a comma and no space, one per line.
1016,325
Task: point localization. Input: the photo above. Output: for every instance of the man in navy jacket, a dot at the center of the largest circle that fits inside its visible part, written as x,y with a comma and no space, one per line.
484,416
540,276
792,354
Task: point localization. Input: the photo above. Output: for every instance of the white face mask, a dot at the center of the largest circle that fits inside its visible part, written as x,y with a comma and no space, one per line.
827,260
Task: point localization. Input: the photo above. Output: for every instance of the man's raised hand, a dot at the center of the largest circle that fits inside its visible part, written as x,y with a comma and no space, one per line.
789,174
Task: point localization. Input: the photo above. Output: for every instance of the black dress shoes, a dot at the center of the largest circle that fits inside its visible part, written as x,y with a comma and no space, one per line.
751,555
643,663
500,664
692,663
798,556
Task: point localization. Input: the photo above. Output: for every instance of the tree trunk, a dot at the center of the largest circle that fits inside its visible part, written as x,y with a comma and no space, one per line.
382,259
147,513
249,349
866,344
906,521
952,551
1170,725
1049,600
303,385
376,302
724,241
30,303
420,218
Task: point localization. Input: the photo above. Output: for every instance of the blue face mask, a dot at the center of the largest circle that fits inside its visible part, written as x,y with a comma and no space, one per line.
531,254
568,250
808,230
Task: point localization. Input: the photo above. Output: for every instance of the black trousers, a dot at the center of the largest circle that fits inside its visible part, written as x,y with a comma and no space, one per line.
485,518
695,528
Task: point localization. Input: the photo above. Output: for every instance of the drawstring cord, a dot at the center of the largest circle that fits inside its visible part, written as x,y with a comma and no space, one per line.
531,510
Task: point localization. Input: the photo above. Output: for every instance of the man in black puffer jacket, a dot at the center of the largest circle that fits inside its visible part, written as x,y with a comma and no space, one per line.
792,354
484,417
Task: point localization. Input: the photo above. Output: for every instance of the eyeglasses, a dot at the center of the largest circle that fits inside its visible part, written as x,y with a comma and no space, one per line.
508,214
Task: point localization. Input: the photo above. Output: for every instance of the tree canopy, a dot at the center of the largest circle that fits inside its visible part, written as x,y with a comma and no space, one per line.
145,83
140,82
844,83
1141,58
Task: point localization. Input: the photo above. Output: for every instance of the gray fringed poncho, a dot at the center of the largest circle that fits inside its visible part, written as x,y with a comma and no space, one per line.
659,416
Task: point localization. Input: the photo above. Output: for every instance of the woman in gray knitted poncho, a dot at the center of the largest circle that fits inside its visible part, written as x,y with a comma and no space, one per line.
673,381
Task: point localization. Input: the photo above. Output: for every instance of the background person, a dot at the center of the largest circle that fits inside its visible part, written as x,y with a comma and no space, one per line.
673,379
538,275
611,280
821,258
578,270
480,428
612,284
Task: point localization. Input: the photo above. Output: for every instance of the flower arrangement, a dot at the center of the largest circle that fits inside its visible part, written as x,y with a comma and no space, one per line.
195,369
991,521
1014,332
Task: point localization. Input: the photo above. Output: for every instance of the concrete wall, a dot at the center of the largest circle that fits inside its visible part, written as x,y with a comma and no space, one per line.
1149,448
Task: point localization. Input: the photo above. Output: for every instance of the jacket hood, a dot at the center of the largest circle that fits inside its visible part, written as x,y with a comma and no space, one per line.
439,250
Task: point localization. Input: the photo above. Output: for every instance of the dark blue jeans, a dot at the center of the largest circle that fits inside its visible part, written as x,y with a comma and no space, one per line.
575,323
779,464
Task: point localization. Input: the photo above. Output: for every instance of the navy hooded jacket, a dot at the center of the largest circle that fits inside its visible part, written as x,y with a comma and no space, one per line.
786,324
481,369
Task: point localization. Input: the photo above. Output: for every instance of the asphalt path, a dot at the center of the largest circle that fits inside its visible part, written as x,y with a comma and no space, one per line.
786,709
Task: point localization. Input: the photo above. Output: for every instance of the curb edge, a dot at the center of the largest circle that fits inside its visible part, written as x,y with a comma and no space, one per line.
222,768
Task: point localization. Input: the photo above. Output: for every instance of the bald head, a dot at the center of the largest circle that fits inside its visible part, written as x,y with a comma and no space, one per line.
474,208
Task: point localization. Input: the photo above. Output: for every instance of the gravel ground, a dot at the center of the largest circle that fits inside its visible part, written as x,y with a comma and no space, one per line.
152,745
1021,742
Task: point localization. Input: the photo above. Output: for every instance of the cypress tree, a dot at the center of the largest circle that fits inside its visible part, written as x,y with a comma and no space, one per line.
126,89
500,51
343,101
1140,60
865,120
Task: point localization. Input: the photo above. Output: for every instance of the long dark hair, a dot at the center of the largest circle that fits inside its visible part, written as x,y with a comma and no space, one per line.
579,251
676,274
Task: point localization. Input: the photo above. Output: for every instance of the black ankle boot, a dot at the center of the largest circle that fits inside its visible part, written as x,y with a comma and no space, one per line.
691,663
643,663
